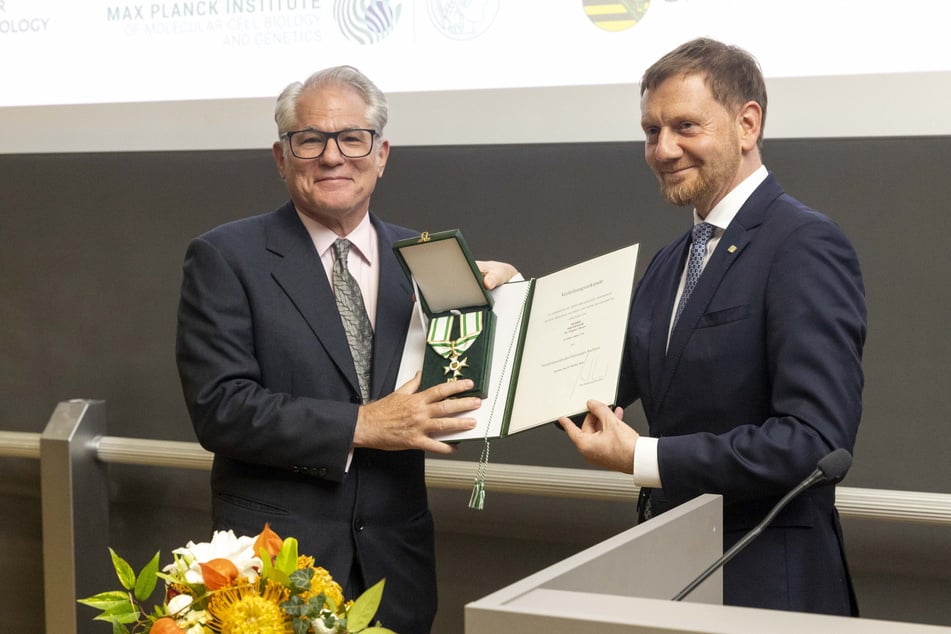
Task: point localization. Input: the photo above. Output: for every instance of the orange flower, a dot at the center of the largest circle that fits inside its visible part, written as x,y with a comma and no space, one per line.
269,541
166,625
218,573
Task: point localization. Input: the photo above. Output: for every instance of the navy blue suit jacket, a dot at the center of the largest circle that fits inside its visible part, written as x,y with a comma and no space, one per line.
272,391
761,379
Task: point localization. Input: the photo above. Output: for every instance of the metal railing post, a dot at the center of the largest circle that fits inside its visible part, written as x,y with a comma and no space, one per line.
75,507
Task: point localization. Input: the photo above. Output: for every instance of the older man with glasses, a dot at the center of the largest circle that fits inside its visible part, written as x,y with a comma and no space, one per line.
290,331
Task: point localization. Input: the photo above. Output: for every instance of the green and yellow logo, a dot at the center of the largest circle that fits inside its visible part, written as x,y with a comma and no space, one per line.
615,15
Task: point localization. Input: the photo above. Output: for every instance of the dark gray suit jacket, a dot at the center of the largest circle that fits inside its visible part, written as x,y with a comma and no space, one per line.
271,389
762,378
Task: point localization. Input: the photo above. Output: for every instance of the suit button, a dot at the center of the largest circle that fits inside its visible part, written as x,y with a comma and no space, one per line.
296,469
358,526
356,400
321,471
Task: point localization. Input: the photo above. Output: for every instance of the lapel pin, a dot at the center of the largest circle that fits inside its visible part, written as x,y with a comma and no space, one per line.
732,249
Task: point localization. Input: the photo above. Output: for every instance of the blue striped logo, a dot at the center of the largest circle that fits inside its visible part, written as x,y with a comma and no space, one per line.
366,21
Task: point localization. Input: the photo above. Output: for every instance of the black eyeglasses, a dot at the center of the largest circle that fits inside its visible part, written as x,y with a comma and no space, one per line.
310,143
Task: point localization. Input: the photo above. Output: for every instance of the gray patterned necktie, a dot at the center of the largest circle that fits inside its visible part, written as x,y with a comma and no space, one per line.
702,233
353,313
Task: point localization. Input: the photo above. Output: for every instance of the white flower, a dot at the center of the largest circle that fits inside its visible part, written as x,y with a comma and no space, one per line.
178,603
194,619
320,628
223,545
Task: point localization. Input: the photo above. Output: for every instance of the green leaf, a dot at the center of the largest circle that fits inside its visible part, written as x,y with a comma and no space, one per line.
280,577
145,583
273,571
300,580
286,560
315,605
331,622
361,612
124,618
106,600
119,628
294,606
123,571
122,611
377,630
266,564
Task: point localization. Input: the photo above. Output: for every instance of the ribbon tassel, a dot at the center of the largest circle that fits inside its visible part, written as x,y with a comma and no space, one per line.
477,498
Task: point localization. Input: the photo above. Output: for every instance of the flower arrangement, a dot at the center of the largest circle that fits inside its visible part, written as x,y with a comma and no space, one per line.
236,585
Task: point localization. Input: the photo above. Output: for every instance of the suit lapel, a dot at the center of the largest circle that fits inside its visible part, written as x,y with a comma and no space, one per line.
302,276
394,306
731,245
730,248
669,272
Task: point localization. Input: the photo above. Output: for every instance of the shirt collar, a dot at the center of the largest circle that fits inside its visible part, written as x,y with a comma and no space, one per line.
361,238
723,213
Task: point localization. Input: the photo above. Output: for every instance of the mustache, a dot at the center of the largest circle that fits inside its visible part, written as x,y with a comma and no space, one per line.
672,167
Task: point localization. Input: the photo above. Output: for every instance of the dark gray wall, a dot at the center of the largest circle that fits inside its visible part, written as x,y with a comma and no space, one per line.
90,263
93,243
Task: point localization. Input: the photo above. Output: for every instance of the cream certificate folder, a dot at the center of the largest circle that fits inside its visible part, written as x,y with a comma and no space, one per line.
558,342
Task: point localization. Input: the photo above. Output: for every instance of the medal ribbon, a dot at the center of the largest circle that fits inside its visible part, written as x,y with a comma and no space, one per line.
440,333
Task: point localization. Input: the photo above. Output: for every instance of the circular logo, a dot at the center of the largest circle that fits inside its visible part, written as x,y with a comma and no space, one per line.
615,15
366,21
462,19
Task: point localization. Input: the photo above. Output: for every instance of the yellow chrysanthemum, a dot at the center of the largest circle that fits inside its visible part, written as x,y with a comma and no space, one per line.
241,610
321,582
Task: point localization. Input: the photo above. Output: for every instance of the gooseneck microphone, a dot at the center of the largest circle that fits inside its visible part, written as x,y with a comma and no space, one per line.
831,468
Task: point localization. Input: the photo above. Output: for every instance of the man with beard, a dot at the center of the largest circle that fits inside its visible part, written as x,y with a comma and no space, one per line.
750,372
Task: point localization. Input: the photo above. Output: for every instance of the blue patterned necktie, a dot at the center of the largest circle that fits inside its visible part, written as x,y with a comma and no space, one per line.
353,313
701,235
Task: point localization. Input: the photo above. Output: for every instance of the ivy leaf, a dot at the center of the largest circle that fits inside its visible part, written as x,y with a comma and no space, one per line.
300,580
361,612
123,570
315,605
145,583
294,606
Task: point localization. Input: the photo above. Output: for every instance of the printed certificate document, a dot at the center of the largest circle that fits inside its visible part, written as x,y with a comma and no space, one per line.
558,342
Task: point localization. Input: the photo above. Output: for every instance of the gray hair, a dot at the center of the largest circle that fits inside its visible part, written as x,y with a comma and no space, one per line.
285,110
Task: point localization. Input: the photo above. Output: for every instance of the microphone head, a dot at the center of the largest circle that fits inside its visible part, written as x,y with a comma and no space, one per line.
835,465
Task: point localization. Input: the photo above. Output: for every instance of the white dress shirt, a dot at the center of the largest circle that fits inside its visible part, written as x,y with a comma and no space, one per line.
363,262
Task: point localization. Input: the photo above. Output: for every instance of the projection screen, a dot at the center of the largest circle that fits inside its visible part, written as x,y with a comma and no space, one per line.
203,74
